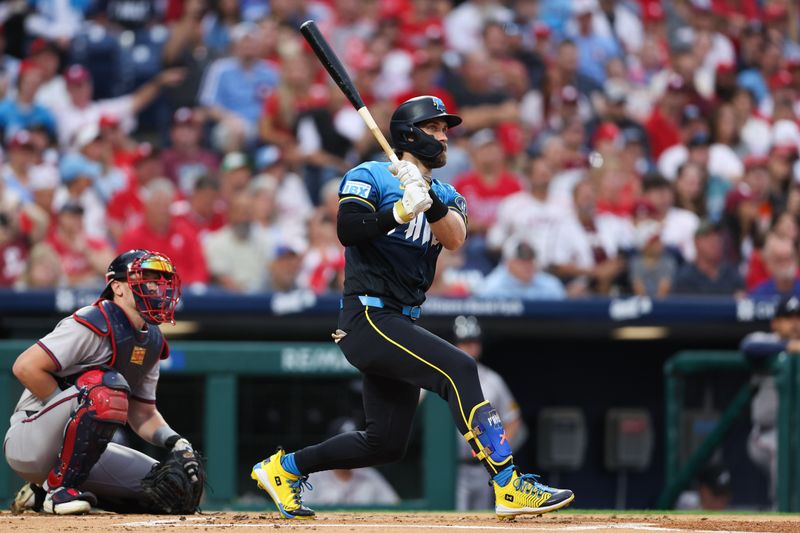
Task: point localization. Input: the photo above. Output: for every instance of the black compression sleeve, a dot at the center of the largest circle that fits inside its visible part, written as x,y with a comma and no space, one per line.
357,223
437,210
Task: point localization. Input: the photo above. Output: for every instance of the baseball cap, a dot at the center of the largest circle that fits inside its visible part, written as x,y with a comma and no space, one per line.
74,165
700,138
20,138
466,328
233,161
108,120
607,131
787,306
267,156
717,478
755,161
706,227
518,248
42,45
541,30
87,135
653,12
482,137
71,207
583,7
616,91
76,74
183,115
741,193
569,94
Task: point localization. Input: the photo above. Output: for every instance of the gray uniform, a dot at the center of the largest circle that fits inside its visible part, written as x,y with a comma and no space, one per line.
472,488
34,440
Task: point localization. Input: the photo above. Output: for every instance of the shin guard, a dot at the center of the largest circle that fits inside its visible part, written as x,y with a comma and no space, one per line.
488,438
102,408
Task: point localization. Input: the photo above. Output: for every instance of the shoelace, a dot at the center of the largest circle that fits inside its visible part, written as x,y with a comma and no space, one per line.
527,483
298,487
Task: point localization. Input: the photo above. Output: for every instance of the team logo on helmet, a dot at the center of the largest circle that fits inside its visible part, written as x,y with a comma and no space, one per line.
438,104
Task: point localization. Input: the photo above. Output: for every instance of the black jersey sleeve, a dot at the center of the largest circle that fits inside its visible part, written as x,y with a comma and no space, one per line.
357,223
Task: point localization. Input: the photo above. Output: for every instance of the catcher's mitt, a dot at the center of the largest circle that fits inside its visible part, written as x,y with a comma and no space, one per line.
175,485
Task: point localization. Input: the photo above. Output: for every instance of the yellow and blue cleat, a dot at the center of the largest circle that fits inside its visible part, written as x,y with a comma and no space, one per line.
283,487
523,494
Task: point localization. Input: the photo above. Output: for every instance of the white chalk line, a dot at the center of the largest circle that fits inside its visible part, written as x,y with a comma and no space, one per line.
315,524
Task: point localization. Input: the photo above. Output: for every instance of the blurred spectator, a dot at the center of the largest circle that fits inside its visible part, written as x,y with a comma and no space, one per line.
677,225
125,209
36,217
590,257
84,259
709,273
77,176
22,112
127,14
780,258
52,93
652,269
13,252
42,270
529,212
236,259
518,276
481,102
488,183
497,41
9,67
57,20
564,70
358,486
234,89
186,160
741,224
160,230
205,209
286,266
297,92
712,492
760,348
322,270
690,189
185,48
218,23
786,226
594,49
463,25
82,111
97,149
235,175
20,157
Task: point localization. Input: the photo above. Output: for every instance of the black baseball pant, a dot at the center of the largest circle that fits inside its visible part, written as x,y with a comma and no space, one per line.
397,358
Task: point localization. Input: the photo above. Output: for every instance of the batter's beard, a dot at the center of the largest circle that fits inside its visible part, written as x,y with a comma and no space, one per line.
437,162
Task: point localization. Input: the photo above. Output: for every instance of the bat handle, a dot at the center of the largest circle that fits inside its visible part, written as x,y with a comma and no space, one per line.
378,134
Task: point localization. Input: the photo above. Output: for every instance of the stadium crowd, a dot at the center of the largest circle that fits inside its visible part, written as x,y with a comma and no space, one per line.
608,146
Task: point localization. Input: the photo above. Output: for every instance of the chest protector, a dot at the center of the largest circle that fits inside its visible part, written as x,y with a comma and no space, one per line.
134,353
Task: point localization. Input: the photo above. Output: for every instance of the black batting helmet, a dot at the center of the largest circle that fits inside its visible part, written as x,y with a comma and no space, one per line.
407,137
153,280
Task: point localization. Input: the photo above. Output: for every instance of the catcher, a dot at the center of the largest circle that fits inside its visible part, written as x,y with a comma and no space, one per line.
95,372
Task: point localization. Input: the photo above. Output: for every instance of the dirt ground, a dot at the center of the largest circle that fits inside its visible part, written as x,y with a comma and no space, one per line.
397,522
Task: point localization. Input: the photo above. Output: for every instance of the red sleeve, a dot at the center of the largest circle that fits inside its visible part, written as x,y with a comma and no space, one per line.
195,262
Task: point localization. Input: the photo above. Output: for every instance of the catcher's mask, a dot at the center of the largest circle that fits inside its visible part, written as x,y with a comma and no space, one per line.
153,280
407,137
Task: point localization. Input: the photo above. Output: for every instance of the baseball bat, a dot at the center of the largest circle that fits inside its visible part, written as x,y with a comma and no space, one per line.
331,62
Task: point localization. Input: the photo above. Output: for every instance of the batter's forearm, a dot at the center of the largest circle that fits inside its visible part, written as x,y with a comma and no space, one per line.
450,230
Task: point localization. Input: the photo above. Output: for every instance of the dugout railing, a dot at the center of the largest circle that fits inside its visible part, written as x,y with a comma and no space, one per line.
683,365
221,365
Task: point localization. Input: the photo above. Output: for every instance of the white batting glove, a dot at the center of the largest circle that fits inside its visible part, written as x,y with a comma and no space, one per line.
415,200
407,172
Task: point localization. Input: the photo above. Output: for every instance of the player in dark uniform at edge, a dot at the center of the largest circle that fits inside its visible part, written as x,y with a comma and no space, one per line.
394,222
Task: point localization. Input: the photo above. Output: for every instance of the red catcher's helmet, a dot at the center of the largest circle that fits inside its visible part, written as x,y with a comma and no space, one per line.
155,283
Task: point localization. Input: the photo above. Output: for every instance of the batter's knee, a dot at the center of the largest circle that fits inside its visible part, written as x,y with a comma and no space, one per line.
386,449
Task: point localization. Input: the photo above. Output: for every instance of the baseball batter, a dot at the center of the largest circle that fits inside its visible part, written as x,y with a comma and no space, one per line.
393,222
95,372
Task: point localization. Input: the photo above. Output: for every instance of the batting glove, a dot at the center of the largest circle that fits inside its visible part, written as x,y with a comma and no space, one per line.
415,200
407,172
